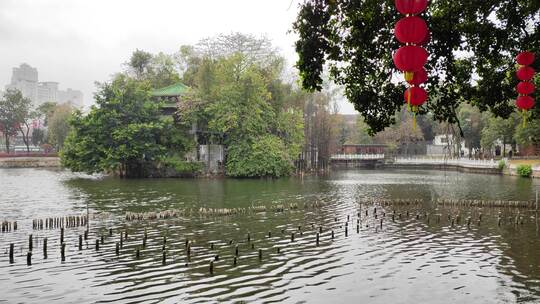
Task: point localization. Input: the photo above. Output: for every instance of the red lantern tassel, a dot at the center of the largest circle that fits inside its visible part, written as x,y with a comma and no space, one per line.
524,114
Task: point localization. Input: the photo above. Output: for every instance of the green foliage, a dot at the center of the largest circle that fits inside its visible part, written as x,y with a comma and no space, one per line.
59,126
498,128
363,132
38,137
479,39
14,112
502,164
181,166
243,103
158,70
121,134
528,133
524,170
45,111
265,157
471,124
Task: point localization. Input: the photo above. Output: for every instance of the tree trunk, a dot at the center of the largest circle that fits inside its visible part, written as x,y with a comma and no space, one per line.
6,136
25,136
504,146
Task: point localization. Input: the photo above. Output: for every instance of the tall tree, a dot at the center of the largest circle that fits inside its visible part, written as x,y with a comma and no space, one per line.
472,124
479,39
14,112
244,104
59,126
140,63
159,70
499,129
121,134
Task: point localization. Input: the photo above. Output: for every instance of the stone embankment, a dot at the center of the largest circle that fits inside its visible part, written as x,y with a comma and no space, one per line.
29,162
464,165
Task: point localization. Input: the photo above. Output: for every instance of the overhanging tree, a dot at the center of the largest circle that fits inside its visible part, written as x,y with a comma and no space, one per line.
122,133
472,49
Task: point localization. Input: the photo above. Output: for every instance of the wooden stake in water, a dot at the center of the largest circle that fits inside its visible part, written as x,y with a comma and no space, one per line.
80,242
30,243
45,248
317,240
29,258
63,252
11,252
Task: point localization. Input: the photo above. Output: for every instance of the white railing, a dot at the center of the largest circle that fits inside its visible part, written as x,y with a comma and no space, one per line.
464,162
357,156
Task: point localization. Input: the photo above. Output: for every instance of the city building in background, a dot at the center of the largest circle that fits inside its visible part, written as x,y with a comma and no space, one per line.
25,79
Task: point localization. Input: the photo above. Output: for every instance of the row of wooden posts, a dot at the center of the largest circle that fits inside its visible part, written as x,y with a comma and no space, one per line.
124,236
487,203
452,220
212,212
81,220
8,226
57,222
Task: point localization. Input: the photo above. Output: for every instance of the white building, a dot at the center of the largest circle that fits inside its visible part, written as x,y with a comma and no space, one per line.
73,97
445,144
25,79
47,91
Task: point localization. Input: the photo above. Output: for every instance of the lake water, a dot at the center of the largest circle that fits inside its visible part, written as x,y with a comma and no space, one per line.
410,260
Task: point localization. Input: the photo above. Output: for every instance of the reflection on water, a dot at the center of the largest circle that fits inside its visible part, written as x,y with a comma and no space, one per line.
406,261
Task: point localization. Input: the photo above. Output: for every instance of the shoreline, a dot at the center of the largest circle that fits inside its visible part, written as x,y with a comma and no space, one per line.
509,170
29,162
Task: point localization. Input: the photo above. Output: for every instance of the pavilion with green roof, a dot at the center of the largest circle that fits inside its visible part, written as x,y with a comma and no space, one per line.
171,96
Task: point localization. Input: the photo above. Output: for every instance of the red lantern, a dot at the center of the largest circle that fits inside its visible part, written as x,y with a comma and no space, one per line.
525,88
411,29
411,7
409,59
419,77
426,39
525,58
415,96
525,73
525,102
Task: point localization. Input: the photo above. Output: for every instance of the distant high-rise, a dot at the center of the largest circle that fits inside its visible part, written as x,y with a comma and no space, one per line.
47,91
73,97
25,79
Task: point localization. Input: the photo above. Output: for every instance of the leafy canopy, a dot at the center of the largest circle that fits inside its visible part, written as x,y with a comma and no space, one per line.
472,49
122,134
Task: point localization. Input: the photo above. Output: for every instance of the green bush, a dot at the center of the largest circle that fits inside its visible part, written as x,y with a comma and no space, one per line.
266,157
182,166
502,164
524,170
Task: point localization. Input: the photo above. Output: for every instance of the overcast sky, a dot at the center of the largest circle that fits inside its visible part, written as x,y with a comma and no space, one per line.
79,42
